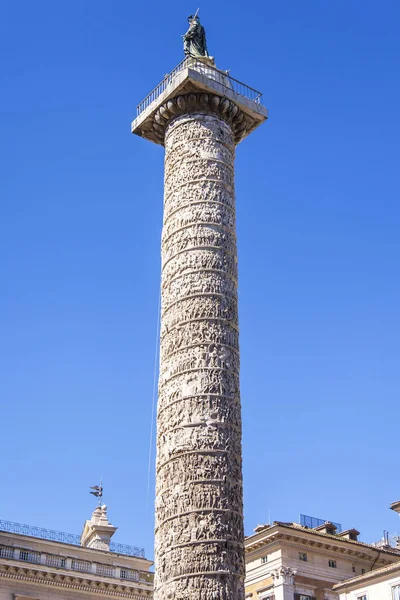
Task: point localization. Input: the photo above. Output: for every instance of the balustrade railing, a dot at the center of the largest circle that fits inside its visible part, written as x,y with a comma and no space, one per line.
76,564
65,538
6,551
52,560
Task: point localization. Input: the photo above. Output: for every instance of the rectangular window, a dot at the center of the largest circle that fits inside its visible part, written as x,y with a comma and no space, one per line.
332,564
396,592
264,559
303,556
362,571
363,597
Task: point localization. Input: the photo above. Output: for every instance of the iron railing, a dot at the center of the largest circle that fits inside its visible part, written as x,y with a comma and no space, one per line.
65,538
221,77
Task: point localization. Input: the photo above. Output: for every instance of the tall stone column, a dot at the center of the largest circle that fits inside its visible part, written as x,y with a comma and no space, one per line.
199,552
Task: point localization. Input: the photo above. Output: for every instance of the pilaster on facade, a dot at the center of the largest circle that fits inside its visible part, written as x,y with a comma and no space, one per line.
283,578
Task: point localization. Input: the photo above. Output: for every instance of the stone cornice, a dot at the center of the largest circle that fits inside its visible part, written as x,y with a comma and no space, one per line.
72,582
314,540
323,547
186,104
358,581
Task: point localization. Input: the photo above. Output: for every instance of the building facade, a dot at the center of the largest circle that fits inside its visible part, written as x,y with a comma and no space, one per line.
35,568
381,584
286,561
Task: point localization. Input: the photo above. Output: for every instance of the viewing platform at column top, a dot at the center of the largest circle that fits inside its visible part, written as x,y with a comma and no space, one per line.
196,84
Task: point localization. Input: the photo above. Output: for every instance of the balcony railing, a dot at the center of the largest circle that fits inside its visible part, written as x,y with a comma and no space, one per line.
75,564
64,538
221,77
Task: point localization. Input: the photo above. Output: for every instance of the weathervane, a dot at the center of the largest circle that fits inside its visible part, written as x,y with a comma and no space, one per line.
98,491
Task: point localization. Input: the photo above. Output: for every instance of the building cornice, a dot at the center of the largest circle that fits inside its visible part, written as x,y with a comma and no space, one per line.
367,577
310,537
73,582
324,550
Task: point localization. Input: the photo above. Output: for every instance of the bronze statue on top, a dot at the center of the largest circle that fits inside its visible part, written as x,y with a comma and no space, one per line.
194,40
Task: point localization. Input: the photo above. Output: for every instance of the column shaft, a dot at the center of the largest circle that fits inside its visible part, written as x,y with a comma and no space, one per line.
199,513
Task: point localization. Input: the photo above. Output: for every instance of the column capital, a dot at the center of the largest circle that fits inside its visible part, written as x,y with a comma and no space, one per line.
283,575
199,86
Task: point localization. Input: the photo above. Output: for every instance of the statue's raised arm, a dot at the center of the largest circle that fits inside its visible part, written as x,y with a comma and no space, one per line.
194,40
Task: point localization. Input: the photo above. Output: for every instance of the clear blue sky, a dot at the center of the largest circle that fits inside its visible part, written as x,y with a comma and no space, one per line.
318,225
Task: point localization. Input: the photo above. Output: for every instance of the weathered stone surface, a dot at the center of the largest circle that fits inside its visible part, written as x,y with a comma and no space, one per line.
191,103
199,512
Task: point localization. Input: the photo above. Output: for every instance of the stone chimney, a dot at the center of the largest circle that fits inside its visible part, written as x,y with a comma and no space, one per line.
98,532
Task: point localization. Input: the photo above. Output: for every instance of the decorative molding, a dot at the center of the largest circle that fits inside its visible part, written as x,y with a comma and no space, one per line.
287,574
200,103
318,547
71,582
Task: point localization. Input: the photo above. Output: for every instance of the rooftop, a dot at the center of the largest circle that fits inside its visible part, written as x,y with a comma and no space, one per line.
360,579
64,538
256,539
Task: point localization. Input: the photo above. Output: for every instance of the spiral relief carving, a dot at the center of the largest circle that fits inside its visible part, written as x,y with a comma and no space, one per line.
199,513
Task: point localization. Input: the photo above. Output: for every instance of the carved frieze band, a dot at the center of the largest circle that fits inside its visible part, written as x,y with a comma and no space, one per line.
200,102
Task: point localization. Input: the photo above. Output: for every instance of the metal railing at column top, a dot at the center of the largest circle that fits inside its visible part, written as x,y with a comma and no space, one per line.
204,68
